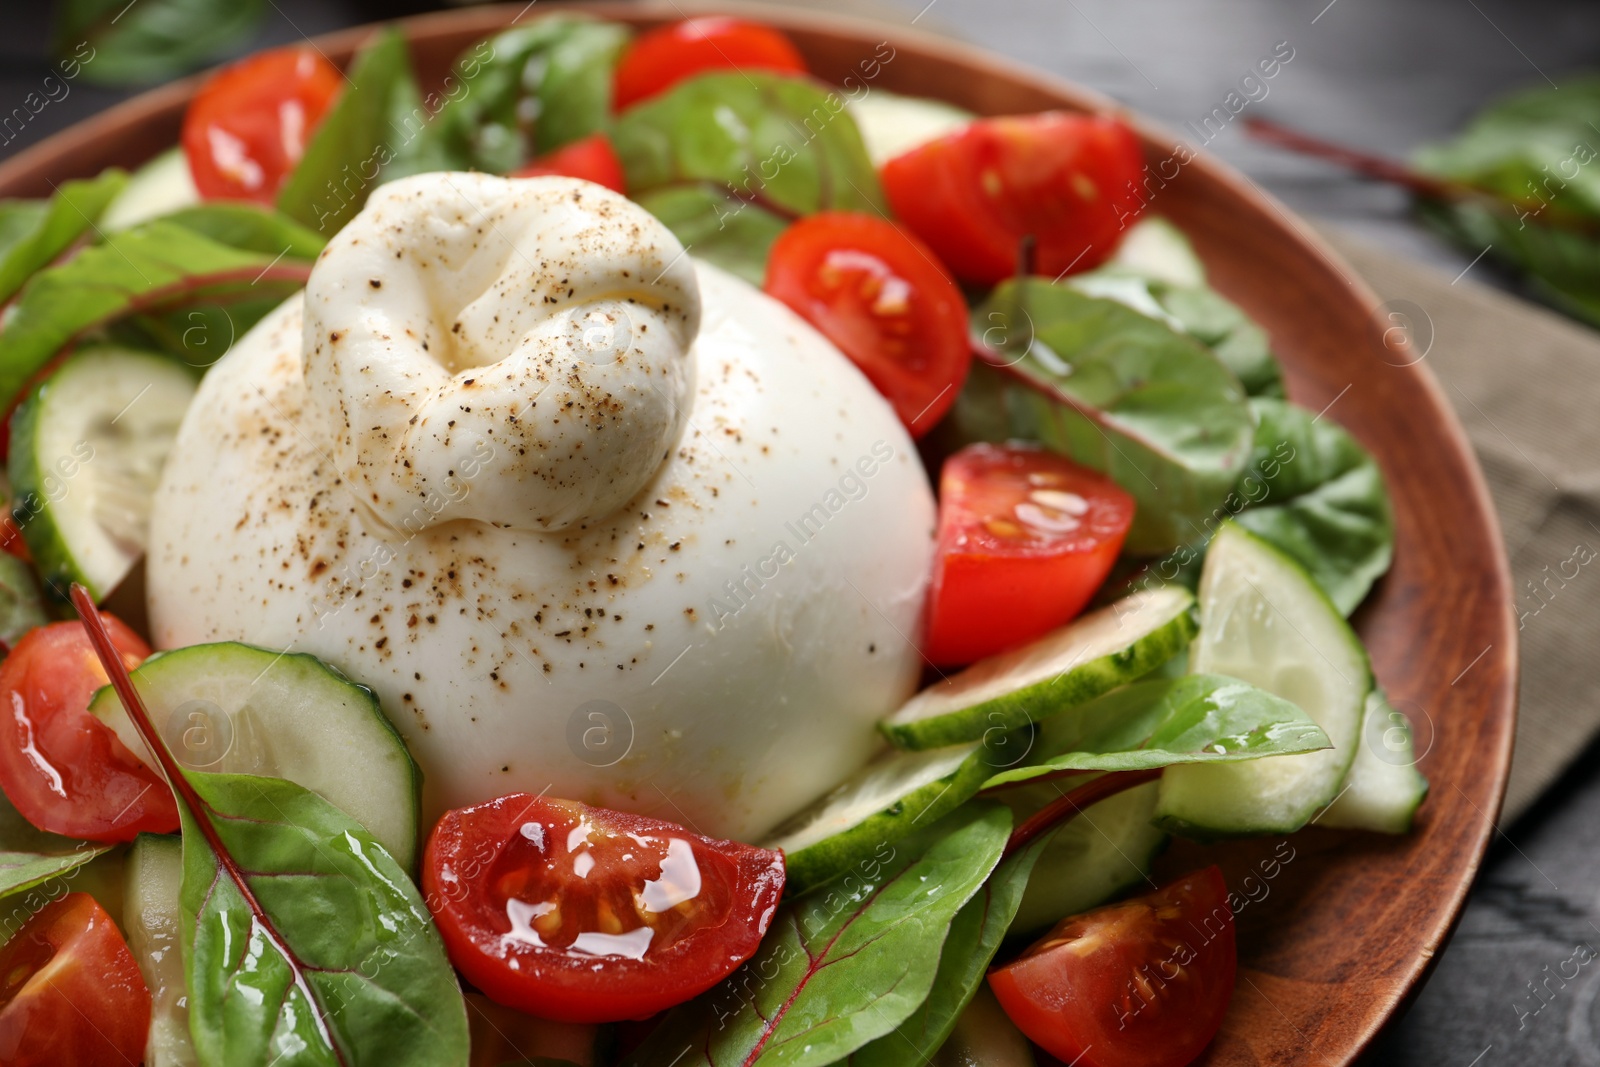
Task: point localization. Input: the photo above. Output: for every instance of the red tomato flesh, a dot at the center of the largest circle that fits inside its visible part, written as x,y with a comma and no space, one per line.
250,122
585,915
1069,181
1025,539
665,56
591,158
1144,983
70,991
62,768
881,297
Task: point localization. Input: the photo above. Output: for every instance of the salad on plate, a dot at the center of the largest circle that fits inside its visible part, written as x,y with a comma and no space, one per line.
639,556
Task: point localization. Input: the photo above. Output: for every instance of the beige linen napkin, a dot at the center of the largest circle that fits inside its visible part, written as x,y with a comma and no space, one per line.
1523,381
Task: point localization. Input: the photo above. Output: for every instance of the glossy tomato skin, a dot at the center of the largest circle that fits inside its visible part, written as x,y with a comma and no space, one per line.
1026,537
586,915
880,295
1143,983
661,58
250,122
70,991
591,158
1069,181
62,768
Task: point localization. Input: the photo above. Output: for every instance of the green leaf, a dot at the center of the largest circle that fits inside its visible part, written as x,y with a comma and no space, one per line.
352,144
974,938
21,606
34,232
1198,718
156,267
333,957
1117,391
520,94
1534,148
122,43
1324,502
844,964
745,152
30,856
250,228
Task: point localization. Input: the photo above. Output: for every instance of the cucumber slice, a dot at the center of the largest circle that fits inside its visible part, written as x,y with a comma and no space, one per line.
237,709
1091,858
984,1037
160,187
1384,788
1155,248
153,923
892,124
892,796
1091,655
87,448
1264,621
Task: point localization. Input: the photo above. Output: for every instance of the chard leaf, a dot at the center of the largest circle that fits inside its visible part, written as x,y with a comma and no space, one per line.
1324,503
1117,391
154,268
21,606
974,938
249,228
761,148
844,964
520,94
122,43
351,145
29,856
304,943
1198,718
34,232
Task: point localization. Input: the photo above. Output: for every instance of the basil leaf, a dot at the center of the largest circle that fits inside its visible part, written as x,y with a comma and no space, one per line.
758,142
351,145
1322,500
844,964
720,228
155,267
332,958
1198,718
151,40
29,856
974,938
34,232
1117,391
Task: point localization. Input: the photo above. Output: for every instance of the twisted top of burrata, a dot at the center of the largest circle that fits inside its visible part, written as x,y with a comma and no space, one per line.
545,324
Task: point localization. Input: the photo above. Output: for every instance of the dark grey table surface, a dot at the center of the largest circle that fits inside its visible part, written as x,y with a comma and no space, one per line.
1385,75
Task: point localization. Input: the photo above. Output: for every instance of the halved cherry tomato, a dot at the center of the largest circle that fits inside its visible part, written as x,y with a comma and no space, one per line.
1025,538
591,158
250,122
665,56
1144,983
62,768
586,915
70,991
881,296
1069,181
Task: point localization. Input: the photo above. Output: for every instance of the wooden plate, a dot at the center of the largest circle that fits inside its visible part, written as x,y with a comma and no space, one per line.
1338,929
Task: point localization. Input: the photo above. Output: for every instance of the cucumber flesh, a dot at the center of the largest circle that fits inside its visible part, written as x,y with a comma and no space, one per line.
87,448
892,796
1089,656
237,709
984,1037
1091,858
160,187
892,124
153,922
1154,248
1264,621
1384,788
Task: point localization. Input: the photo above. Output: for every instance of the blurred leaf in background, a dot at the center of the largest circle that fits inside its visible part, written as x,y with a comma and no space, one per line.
139,42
